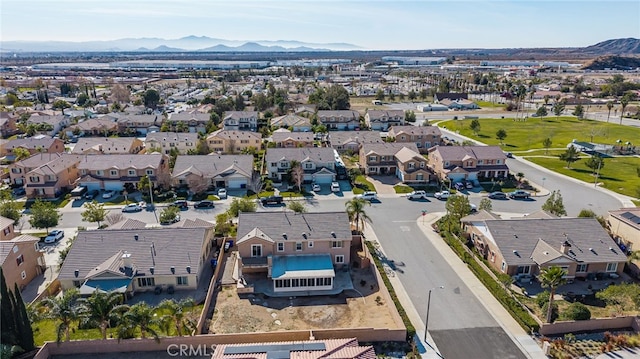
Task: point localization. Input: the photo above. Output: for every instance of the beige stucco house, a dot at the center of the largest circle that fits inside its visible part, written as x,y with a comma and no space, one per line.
229,142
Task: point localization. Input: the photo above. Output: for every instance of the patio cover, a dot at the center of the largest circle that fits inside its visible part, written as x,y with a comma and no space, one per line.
302,266
105,285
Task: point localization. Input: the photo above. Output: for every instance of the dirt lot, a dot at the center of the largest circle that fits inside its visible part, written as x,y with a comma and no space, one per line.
255,312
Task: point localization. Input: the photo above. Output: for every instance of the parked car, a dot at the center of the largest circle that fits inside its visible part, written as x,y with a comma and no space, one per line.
20,191
442,195
519,194
417,195
316,187
204,204
474,208
469,184
175,219
108,194
335,187
182,204
459,186
498,195
369,196
271,200
222,193
54,236
508,154
132,207
91,194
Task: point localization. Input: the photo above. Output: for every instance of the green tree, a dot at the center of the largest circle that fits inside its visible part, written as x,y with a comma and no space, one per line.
239,103
595,162
151,98
82,99
578,311
587,213
624,101
15,324
140,315
541,111
223,224
485,204
578,111
570,155
297,206
356,212
475,126
11,209
501,134
44,214
457,207
546,143
61,105
144,184
552,278
260,101
380,95
175,315
412,95
558,108
21,153
94,212
102,308
239,205
622,297
65,310
554,204
337,98
168,214
410,116
609,107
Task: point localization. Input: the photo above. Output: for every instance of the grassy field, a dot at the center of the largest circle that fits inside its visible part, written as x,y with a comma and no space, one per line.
618,174
362,185
524,135
487,104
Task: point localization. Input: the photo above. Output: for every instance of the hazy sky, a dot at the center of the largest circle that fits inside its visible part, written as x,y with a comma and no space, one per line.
372,24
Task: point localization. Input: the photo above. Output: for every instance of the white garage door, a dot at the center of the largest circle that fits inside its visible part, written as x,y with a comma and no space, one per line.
237,183
323,178
113,186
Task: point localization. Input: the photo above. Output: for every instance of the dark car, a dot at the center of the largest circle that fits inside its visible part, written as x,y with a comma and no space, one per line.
271,200
182,204
91,194
204,204
20,191
498,195
519,194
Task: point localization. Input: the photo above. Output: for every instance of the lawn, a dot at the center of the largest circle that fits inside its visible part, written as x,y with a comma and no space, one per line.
618,174
401,189
524,135
362,185
487,104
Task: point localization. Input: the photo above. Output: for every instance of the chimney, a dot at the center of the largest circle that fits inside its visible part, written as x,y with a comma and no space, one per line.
126,260
565,247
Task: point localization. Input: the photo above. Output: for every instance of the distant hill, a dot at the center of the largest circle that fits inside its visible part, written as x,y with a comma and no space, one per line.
613,62
255,47
615,47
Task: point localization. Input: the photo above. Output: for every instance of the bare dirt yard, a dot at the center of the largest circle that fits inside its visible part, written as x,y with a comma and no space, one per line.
364,308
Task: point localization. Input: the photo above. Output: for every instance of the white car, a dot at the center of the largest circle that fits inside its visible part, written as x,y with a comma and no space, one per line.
108,194
222,193
316,187
474,208
442,195
335,187
369,196
54,236
417,195
133,207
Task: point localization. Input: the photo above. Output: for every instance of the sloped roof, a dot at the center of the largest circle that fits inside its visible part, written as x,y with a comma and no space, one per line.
295,136
5,222
172,137
415,130
107,145
128,223
235,135
377,115
314,349
351,115
406,154
121,161
7,246
344,137
458,153
630,216
236,115
316,225
387,149
314,154
38,159
480,215
188,116
32,143
290,120
57,165
213,165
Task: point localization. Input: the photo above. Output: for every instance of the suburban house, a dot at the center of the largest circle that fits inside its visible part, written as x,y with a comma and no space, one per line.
35,144
108,145
459,104
525,246
8,124
299,253
195,121
240,121
341,120
424,137
306,110
471,163
439,96
381,120
7,232
293,122
347,348
21,260
53,178
93,127
285,138
164,142
396,159
220,171
139,124
343,141
139,260
223,141
53,123
19,169
117,172
318,163
624,224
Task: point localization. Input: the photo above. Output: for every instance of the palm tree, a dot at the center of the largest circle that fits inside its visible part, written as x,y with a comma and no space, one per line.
609,107
64,309
624,101
175,313
356,212
101,308
552,278
139,315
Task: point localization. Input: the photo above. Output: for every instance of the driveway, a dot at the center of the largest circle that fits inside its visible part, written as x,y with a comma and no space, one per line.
384,184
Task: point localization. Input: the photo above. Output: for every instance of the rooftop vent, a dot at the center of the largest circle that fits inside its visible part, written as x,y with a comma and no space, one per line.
333,234
188,269
304,235
152,270
284,235
173,270
76,273
136,237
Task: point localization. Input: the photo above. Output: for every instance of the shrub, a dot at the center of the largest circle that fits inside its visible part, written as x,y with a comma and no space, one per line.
542,298
578,311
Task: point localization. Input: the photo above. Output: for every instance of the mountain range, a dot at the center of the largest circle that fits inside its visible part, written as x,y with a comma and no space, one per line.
184,44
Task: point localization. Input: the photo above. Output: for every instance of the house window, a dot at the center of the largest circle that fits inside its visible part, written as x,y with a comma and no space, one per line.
493,256
446,164
310,244
479,162
34,179
99,172
6,231
421,164
340,258
373,158
612,267
256,250
182,280
280,246
23,275
20,259
149,172
16,170
412,165
146,282
504,265
274,164
113,172
132,172
298,246
498,162
582,268
336,244
308,165
419,177
524,269
76,283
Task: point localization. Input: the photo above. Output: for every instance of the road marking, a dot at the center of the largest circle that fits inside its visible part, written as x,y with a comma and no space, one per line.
403,221
405,229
